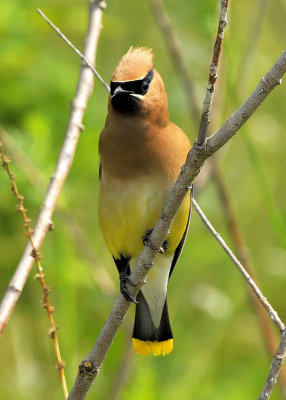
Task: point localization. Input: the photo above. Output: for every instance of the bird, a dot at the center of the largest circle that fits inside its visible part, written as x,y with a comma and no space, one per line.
141,154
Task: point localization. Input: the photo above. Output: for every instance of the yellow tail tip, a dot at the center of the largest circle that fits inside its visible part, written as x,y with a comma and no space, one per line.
156,348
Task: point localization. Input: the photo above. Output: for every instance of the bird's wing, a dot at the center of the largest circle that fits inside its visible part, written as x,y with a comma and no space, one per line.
180,246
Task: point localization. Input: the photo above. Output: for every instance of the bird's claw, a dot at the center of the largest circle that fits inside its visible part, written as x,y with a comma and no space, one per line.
124,281
146,242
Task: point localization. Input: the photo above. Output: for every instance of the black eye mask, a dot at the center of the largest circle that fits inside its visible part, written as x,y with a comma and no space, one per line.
139,86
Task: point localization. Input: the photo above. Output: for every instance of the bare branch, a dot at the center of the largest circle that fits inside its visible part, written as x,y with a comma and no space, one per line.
272,313
90,367
212,75
84,89
275,368
40,275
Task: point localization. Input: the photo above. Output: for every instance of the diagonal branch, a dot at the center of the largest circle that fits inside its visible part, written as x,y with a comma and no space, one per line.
44,223
90,367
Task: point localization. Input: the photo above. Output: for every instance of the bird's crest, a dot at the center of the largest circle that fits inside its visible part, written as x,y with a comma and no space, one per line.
135,64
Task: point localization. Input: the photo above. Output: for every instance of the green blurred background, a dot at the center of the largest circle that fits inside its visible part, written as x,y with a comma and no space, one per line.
219,349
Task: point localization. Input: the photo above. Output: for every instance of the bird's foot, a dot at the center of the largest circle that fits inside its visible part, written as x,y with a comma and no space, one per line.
124,281
146,242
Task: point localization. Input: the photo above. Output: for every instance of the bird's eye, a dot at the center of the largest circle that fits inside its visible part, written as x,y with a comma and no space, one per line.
145,86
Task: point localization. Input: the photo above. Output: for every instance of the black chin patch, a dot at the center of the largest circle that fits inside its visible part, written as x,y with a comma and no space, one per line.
125,103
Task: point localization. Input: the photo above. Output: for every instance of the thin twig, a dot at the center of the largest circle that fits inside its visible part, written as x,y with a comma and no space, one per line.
91,365
272,313
275,368
212,75
40,275
69,43
44,223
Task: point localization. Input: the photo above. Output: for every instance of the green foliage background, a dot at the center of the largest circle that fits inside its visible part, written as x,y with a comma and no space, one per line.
219,348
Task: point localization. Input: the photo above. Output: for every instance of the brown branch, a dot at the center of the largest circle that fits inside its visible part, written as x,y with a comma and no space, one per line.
213,74
263,300
43,224
90,367
275,368
40,275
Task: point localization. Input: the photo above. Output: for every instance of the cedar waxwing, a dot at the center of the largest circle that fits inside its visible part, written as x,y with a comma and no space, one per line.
141,155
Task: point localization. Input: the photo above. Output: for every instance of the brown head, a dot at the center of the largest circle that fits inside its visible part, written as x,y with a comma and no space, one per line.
137,89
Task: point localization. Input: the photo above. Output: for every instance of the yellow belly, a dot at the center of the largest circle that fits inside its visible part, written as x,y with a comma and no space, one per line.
127,210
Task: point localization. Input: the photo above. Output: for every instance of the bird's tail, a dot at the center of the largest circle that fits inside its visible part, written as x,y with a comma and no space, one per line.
146,337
